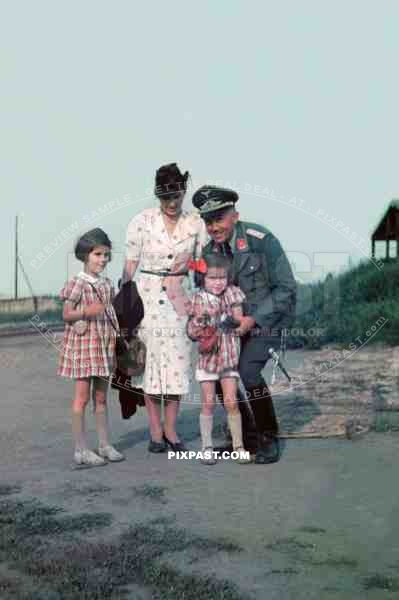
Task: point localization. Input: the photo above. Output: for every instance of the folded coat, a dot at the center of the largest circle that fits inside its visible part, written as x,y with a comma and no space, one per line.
129,310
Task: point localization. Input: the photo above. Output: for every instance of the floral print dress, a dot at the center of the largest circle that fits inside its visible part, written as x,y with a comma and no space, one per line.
166,299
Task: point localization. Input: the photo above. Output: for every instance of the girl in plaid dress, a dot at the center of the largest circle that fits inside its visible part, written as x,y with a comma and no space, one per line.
219,347
89,344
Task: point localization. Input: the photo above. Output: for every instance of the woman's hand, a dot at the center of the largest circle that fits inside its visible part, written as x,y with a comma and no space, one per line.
180,263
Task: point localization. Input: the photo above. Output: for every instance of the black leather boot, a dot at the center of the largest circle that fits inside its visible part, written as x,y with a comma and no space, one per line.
249,434
268,449
261,403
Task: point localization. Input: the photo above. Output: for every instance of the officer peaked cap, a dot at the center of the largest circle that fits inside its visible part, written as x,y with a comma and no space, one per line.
210,199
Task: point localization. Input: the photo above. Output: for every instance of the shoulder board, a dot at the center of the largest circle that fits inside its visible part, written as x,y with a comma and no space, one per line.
258,234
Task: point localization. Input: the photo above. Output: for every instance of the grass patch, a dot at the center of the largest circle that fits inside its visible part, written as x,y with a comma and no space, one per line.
345,305
386,421
173,539
287,571
155,493
95,489
291,544
336,561
303,551
31,518
7,490
69,567
377,581
311,529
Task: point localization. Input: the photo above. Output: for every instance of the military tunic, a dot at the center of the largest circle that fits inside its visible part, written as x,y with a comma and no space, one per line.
261,269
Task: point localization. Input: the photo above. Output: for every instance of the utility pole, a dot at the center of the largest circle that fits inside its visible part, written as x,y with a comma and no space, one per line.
16,260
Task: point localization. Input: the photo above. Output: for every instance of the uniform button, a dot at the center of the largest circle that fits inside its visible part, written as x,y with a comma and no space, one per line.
162,302
170,256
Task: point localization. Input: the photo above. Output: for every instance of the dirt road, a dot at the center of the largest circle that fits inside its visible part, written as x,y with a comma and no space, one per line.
322,523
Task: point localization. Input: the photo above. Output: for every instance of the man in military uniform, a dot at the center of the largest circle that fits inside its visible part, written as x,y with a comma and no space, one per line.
262,271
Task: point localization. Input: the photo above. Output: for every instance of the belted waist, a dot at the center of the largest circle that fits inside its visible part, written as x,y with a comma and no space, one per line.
163,273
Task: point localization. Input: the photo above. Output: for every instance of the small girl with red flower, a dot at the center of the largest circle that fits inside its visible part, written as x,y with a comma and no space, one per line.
89,344
214,313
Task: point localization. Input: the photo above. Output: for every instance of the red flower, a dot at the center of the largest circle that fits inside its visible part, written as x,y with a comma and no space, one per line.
197,265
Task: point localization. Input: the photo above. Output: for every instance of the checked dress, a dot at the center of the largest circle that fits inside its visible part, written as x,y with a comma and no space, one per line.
90,354
206,304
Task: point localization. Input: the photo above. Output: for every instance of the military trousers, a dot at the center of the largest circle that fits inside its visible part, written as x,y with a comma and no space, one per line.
254,356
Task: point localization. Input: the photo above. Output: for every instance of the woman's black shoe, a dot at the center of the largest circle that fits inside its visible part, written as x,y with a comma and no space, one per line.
175,446
157,447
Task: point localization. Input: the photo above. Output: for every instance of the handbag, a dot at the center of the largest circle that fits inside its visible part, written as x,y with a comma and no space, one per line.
129,355
80,327
133,357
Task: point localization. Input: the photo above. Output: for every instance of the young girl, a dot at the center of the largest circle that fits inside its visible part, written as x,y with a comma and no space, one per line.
219,347
89,344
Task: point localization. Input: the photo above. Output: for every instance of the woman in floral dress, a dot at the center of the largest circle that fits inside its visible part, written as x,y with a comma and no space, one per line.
160,243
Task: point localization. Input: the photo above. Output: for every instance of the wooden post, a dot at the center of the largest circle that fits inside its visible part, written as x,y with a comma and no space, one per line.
373,247
397,248
16,260
387,249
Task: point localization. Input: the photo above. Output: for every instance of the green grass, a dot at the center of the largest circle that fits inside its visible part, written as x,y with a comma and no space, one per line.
312,529
336,561
50,566
287,571
155,493
32,518
7,489
386,421
378,581
345,306
95,489
290,544
313,553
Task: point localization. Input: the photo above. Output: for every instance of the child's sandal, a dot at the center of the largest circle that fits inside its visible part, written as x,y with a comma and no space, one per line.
208,457
111,454
88,458
244,457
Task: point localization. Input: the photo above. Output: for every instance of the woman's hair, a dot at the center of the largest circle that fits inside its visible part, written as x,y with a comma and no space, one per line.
89,240
169,180
216,260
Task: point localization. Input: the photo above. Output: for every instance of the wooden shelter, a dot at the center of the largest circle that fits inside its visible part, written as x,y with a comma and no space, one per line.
387,229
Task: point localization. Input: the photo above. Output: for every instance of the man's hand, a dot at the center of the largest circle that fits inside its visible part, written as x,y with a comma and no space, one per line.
246,323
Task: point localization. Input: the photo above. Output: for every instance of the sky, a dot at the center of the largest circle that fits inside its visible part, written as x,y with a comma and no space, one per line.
293,103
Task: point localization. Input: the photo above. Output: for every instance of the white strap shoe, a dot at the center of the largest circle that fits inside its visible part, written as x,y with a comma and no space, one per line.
89,458
208,457
111,454
244,457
